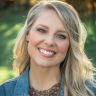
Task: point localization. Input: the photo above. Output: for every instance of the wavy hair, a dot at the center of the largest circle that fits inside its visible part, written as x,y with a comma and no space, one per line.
76,67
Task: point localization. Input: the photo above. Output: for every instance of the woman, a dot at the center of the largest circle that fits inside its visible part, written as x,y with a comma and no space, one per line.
49,54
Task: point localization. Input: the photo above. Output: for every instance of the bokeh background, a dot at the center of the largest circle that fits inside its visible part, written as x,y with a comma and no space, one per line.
12,16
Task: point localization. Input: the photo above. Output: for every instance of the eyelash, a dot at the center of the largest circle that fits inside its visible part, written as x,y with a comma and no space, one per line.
41,30
61,36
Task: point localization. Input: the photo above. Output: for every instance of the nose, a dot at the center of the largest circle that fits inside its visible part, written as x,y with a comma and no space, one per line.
49,41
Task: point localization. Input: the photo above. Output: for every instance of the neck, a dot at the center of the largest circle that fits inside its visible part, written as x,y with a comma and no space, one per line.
43,78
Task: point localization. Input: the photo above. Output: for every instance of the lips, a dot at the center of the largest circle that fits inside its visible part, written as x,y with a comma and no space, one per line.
47,53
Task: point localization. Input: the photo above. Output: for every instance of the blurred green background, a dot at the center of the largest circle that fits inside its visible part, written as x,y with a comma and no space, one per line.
12,16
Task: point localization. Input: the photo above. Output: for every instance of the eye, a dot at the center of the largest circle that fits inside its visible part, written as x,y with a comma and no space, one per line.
41,30
60,36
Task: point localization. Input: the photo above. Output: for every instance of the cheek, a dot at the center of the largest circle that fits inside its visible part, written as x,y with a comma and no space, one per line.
34,39
63,47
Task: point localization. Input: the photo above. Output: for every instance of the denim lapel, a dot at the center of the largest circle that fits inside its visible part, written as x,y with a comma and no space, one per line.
22,85
62,86
62,90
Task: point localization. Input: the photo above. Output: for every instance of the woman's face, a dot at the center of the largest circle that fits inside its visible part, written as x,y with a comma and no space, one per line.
48,42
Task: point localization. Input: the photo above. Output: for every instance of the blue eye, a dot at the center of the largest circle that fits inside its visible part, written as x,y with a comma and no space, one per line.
61,36
41,30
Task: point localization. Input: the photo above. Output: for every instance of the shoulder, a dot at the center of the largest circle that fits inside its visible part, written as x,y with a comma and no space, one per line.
18,85
8,87
91,87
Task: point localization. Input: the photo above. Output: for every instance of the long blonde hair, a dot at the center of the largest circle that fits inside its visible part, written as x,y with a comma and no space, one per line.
76,67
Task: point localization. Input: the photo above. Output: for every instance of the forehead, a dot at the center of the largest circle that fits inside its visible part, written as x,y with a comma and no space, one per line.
49,18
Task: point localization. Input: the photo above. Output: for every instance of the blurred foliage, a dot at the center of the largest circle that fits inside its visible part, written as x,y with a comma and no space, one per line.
12,19
10,23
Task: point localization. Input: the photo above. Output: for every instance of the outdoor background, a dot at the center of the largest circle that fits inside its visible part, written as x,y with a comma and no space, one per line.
12,16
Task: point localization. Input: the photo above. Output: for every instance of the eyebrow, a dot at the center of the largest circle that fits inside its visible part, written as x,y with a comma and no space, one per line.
59,30
43,26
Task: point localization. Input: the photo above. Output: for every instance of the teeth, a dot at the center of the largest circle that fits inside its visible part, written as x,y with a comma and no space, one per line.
49,53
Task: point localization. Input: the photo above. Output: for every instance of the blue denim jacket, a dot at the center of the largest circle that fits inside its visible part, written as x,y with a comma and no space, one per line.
20,86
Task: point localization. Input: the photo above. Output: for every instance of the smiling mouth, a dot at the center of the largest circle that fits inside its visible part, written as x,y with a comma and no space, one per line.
46,53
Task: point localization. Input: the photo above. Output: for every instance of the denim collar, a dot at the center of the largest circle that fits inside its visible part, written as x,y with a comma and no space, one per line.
22,85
